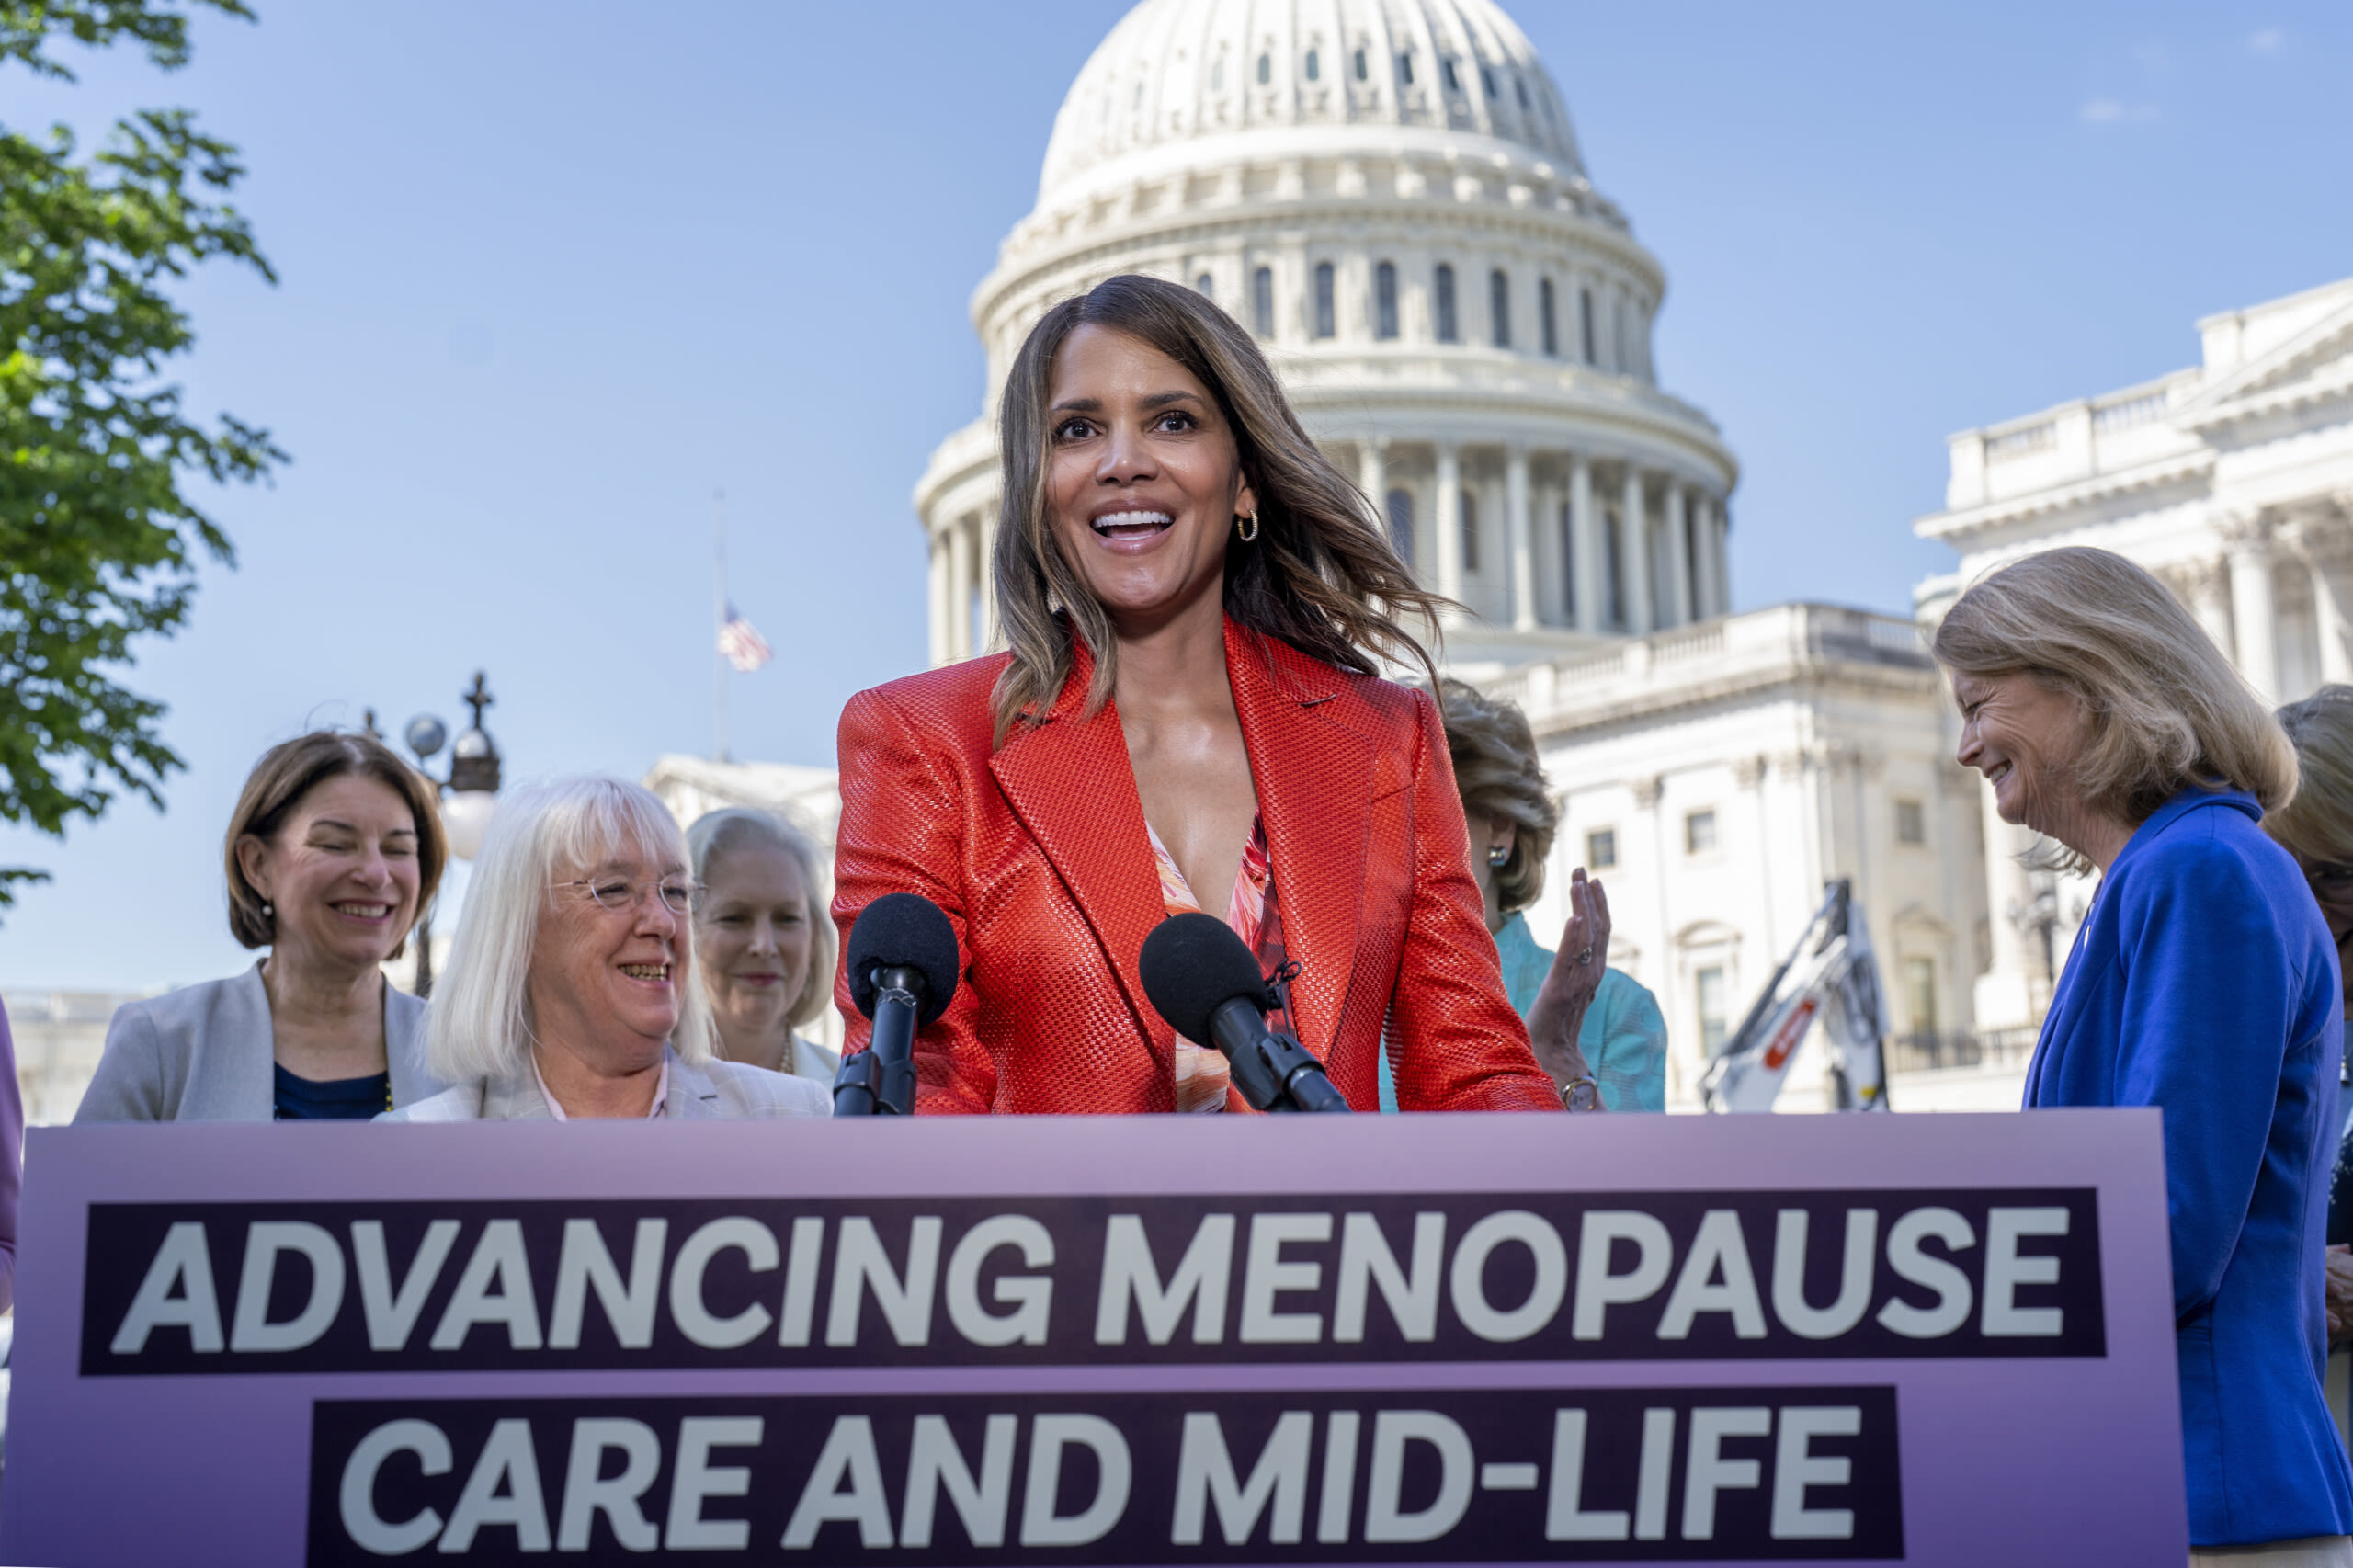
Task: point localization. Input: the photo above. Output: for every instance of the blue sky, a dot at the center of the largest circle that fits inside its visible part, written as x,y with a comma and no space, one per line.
552,276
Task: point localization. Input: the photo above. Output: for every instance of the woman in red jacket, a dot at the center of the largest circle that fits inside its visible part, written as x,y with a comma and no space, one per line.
1188,718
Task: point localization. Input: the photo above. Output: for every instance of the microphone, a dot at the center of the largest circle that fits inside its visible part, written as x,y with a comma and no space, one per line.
1205,982
903,972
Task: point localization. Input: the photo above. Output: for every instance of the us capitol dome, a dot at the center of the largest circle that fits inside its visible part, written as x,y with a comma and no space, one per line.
1388,194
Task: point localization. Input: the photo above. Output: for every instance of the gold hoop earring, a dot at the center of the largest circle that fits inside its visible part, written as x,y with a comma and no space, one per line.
1247,528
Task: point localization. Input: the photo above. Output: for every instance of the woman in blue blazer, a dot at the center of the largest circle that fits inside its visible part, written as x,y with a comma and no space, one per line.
2203,981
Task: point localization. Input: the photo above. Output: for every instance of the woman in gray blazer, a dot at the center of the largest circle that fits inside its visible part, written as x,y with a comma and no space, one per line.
335,847
570,989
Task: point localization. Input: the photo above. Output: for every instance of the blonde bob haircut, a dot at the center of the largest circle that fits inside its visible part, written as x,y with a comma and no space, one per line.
2317,826
291,770
1319,573
2163,709
1494,753
480,1024
716,835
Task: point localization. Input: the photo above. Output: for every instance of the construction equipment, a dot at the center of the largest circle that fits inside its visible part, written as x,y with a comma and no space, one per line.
1829,975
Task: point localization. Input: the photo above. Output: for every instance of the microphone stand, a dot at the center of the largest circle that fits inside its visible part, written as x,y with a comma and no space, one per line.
898,992
1274,1071
881,1080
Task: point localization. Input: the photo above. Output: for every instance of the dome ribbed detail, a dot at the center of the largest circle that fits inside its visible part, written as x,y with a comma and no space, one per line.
1178,71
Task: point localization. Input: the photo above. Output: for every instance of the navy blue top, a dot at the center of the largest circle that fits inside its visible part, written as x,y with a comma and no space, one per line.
2204,982
331,1099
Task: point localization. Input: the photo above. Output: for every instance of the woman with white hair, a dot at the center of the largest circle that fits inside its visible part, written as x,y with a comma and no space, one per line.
570,989
2202,983
762,941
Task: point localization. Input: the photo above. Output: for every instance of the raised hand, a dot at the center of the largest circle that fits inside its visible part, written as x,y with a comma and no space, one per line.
1570,983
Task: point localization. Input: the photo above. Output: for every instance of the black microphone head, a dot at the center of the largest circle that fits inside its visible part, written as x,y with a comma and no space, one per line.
1192,965
904,930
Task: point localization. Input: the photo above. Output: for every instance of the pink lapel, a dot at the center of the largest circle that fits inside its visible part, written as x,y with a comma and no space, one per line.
1070,782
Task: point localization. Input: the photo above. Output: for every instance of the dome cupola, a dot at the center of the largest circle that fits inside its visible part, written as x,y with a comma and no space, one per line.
1175,74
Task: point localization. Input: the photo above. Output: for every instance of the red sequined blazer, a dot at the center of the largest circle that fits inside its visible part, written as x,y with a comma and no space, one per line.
1039,854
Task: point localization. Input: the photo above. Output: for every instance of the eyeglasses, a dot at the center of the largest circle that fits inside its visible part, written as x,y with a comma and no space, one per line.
622,894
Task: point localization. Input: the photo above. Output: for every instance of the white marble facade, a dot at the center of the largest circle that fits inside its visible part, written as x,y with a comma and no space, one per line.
2232,480
1715,778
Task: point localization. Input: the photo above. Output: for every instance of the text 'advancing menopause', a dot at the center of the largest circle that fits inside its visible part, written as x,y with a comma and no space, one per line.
215,1288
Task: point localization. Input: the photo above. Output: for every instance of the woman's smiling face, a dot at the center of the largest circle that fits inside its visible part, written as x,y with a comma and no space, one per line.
752,935
1143,478
605,977
2024,737
341,871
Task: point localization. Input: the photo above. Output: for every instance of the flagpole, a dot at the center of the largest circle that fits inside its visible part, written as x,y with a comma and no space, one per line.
719,617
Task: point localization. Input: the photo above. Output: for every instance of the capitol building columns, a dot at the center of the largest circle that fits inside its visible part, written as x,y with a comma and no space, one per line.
1585,545
961,580
2253,610
1680,597
2331,612
1510,527
937,600
963,608
1558,560
1372,475
1715,568
1447,518
1522,548
1634,554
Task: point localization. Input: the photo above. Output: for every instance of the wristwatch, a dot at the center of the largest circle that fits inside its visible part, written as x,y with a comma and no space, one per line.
1581,1094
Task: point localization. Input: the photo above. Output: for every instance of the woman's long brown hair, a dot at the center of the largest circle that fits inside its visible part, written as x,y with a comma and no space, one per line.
1321,575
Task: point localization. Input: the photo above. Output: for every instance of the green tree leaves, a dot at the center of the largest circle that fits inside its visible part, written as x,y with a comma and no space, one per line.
97,542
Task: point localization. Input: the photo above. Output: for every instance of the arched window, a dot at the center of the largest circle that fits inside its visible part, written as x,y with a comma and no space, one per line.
1384,301
1326,318
1584,324
1470,531
1262,300
1521,87
1266,69
1401,524
1621,360
1499,307
1487,79
1405,69
1446,69
1363,67
1447,332
1205,286
1545,322
1314,65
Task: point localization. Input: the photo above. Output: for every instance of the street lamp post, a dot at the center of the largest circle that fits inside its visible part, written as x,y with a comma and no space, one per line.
2039,917
469,797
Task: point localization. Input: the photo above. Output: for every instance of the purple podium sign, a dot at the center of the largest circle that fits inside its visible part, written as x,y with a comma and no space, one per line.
1940,1340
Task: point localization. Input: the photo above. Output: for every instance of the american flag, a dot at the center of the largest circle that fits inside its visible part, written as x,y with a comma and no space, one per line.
745,649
